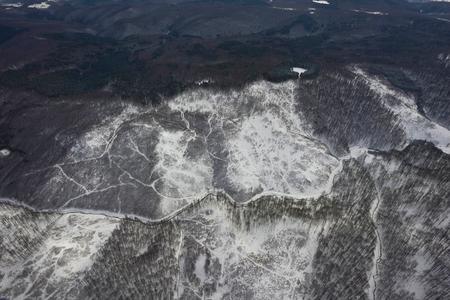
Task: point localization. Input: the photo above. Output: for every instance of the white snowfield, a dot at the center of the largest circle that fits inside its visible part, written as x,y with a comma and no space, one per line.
269,147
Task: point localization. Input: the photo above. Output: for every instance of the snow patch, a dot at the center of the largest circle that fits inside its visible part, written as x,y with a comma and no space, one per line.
12,5
5,152
321,2
299,71
204,81
371,12
200,268
284,8
42,5
443,20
